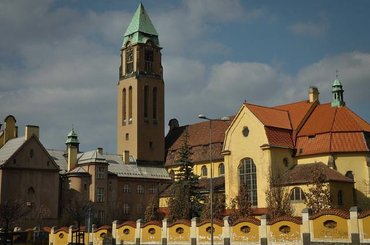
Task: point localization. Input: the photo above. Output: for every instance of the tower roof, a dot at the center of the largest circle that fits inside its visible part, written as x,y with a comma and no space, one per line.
72,138
140,28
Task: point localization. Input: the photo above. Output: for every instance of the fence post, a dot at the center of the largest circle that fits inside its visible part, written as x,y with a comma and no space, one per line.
70,232
263,230
138,231
164,232
114,232
306,233
226,231
193,231
52,236
355,236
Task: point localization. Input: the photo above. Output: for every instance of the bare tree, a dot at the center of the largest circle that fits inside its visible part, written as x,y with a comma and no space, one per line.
318,195
10,213
277,198
152,210
218,207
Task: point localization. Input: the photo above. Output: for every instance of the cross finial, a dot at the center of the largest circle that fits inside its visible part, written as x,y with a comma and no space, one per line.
336,74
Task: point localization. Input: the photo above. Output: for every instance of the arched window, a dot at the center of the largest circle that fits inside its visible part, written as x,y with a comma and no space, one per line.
155,102
296,194
129,59
124,116
146,100
221,169
130,104
340,197
248,177
204,171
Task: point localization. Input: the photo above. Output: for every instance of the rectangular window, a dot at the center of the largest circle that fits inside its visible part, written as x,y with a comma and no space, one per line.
100,174
126,188
126,208
100,194
140,189
149,60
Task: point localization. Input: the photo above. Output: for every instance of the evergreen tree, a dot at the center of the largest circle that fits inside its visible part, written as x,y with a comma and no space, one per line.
185,201
241,206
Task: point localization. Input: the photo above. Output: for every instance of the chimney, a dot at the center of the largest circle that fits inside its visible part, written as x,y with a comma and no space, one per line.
31,130
100,150
10,130
173,123
313,94
126,157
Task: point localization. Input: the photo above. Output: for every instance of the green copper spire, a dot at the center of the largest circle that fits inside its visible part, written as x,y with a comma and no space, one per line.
72,138
140,28
337,91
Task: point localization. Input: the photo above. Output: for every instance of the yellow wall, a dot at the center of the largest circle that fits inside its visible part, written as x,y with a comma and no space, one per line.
61,238
322,232
241,147
100,236
177,236
203,235
277,231
366,227
148,237
126,234
239,236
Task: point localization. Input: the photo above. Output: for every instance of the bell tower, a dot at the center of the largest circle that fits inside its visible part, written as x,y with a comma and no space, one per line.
140,93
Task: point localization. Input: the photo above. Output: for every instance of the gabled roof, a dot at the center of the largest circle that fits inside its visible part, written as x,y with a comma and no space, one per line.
271,117
91,157
303,174
10,148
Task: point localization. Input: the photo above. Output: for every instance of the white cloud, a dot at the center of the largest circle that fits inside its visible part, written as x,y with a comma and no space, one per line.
316,28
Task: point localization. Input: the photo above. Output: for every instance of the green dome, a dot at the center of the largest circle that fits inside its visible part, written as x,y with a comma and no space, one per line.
72,138
337,83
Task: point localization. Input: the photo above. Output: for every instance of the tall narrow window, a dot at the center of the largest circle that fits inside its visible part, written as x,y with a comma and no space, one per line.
146,101
124,116
221,169
204,171
155,102
130,104
129,59
148,58
248,177
340,197
100,194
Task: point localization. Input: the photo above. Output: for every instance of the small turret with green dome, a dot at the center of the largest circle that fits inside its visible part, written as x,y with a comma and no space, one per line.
72,138
337,91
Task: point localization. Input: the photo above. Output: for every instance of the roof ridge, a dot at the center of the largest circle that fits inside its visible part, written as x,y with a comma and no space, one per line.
266,107
293,103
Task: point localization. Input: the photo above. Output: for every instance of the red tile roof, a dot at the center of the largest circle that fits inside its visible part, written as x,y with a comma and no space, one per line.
279,137
297,111
311,128
270,116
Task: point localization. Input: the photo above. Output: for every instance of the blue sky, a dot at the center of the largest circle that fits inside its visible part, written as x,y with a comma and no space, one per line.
59,59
